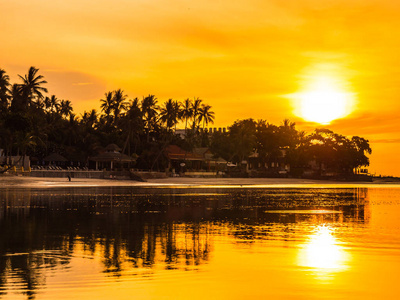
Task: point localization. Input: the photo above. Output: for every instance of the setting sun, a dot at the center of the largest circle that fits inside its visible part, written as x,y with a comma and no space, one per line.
324,97
325,103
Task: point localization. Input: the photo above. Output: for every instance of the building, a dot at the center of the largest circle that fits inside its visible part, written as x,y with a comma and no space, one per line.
200,160
112,159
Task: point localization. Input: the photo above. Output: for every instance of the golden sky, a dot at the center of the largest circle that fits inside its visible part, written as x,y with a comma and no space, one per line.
245,58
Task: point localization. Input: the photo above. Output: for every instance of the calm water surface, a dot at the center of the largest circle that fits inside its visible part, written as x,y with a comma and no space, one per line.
177,243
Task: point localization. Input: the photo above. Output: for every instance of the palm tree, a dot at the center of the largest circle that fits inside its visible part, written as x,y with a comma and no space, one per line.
4,90
17,101
89,118
107,105
149,112
178,111
288,134
31,86
88,136
65,108
169,113
113,104
288,124
72,130
24,141
119,104
47,103
54,104
132,123
206,115
196,105
186,112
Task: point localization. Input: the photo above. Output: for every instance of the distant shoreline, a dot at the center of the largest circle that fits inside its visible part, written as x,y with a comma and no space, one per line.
56,182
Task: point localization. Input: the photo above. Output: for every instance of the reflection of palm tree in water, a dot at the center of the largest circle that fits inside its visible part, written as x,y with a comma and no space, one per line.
21,257
123,243
176,245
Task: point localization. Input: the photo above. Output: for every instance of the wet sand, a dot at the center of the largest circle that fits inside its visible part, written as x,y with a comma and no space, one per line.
49,182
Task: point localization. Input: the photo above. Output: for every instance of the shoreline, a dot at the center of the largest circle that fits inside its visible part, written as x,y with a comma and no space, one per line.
183,182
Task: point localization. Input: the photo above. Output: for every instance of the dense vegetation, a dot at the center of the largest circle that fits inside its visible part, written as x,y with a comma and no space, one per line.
35,124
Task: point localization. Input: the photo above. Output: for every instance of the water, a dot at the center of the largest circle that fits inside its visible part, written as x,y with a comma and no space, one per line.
215,243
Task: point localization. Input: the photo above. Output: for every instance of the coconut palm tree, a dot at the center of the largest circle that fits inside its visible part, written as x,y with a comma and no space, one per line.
206,115
47,104
17,101
107,103
4,90
186,112
89,118
132,123
65,108
118,104
55,104
133,111
72,130
31,86
169,113
288,134
113,105
177,111
149,112
196,105
107,106
288,124
88,136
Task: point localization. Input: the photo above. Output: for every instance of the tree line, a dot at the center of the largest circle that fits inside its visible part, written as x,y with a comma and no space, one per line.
34,124
285,145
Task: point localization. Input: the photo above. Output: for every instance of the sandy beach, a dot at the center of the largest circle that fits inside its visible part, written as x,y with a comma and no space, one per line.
49,182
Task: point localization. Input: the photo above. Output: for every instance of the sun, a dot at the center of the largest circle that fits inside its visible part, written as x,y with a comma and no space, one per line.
324,98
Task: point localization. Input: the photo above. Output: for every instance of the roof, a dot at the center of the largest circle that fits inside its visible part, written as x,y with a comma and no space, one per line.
201,151
177,153
112,156
55,157
113,147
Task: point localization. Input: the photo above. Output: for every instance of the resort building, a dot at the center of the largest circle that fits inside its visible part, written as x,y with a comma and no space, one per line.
112,159
198,160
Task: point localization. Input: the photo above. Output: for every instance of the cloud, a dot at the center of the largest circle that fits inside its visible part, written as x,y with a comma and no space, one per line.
83,83
386,141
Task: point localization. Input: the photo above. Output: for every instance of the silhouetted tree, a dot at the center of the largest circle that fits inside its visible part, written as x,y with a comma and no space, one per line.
4,91
169,113
206,115
196,106
187,112
31,87
150,114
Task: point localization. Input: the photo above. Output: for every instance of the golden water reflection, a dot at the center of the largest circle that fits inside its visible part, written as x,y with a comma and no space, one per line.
323,253
234,244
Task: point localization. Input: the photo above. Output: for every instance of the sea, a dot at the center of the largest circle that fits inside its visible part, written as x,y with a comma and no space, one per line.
208,242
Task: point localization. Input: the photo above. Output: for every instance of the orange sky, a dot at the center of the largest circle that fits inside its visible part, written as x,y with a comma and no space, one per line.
241,57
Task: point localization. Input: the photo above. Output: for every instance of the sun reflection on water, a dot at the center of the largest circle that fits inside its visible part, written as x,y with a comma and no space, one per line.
323,253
